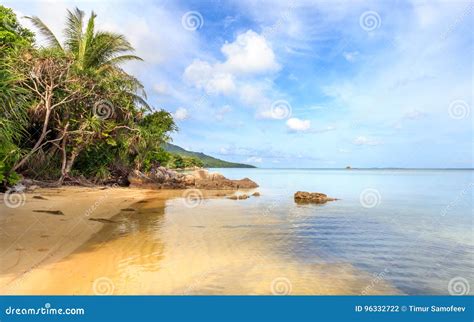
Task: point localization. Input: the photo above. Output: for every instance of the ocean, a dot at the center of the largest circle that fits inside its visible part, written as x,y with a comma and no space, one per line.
391,232
410,228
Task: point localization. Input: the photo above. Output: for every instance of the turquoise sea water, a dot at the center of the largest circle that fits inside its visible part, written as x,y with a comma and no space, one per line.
411,228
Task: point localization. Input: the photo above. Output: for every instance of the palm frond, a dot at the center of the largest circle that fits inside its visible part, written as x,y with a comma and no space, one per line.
123,58
89,36
49,36
73,30
105,47
141,101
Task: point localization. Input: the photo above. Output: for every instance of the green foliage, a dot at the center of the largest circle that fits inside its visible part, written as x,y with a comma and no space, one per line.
96,51
13,123
69,109
206,161
155,158
191,162
177,161
12,34
154,129
13,111
95,160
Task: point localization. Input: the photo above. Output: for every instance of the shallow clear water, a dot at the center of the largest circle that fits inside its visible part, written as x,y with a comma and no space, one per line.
391,232
410,228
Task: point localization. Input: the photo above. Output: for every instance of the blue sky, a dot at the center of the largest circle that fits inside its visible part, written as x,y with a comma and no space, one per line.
302,83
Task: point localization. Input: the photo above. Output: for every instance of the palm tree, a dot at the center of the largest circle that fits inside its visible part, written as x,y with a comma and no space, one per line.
96,51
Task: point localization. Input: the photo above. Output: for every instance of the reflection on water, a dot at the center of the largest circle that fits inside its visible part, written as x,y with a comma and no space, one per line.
270,245
216,248
413,227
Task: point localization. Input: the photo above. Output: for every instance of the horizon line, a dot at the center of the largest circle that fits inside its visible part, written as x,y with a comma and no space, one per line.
371,168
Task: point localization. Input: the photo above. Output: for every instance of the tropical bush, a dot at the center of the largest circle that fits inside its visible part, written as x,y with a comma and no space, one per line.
69,110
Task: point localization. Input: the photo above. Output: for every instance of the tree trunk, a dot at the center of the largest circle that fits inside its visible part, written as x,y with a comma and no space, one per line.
44,132
67,164
64,160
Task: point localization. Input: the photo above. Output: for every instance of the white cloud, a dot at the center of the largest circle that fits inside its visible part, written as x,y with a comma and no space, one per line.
221,83
248,56
328,128
298,125
249,53
141,28
351,56
208,77
224,150
411,115
414,115
254,160
363,140
160,88
181,114
253,94
220,113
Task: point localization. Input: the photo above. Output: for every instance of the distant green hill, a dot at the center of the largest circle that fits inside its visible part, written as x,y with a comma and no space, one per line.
208,161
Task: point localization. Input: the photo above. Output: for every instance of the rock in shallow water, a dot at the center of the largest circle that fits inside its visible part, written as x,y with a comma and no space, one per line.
311,197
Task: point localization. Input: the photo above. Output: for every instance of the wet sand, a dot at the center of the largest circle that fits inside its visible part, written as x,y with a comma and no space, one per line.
33,235
155,243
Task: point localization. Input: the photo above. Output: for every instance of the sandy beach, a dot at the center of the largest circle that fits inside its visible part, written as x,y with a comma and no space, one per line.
33,236
151,242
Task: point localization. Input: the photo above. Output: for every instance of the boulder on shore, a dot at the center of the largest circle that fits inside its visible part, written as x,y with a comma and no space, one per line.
311,197
163,178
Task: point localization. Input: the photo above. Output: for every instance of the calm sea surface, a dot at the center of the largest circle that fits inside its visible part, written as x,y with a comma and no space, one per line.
410,228
391,232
